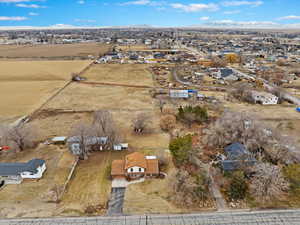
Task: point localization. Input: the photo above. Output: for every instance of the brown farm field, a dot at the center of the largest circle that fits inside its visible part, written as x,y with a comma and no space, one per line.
25,85
40,70
130,74
80,96
53,51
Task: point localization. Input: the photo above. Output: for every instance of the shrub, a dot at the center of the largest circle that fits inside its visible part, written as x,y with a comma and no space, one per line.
292,174
167,122
237,186
180,148
190,114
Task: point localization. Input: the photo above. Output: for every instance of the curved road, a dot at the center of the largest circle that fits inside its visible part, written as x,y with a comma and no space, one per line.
273,217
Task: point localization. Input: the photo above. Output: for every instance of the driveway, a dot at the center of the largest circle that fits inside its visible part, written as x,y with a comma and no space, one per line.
115,204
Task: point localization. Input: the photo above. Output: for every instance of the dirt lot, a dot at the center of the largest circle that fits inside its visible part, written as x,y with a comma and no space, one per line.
53,51
25,85
133,47
29,199
132,74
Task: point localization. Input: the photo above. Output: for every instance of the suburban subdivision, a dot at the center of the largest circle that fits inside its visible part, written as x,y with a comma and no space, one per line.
149,124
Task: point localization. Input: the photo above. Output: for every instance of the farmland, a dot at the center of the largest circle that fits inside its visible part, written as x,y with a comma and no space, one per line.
89,185
60,51
130,74
25,85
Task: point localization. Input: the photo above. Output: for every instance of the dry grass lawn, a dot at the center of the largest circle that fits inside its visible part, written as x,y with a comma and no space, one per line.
89,185
132,74
53,51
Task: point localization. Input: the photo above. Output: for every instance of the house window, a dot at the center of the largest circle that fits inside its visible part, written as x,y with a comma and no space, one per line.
140,169
131,169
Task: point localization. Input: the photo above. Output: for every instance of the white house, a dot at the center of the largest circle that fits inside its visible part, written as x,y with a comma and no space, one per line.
14,173
264,98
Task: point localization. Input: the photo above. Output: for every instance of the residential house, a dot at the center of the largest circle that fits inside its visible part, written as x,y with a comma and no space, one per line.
14,173
228,75
236,157
135,165
264,98
92,143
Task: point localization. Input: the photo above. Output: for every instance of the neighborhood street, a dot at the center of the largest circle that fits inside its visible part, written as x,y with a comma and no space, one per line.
272,217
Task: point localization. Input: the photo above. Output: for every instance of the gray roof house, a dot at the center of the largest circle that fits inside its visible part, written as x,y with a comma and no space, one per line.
93,143
228,74
14,173
237,156
75,147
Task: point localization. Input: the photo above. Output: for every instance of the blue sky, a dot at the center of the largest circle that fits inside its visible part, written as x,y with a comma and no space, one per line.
95,13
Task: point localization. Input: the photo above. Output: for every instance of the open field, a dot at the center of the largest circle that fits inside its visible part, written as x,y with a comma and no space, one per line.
132,74
21,98
40,70
53,51
133,47
29,199
94,97
25,85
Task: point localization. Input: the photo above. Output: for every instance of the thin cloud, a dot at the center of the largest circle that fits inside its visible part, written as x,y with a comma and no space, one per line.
244,23
243,3
33,14
204,18
81,2
12,18
33,6
14,1
291,17
138,2
195,7
84,21
232,12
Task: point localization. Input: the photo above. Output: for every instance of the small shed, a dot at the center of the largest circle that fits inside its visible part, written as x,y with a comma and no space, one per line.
121,146
179,93
59,140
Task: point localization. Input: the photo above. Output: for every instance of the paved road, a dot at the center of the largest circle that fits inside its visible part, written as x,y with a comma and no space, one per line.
289,217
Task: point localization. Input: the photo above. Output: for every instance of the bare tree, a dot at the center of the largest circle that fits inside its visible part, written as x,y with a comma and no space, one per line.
3,135
218,62
21,136
83,132
161,104
188,191
104,126
55,193
141,122
267,182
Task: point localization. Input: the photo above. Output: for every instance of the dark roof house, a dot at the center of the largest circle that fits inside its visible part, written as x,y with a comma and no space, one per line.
14,173
237,156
